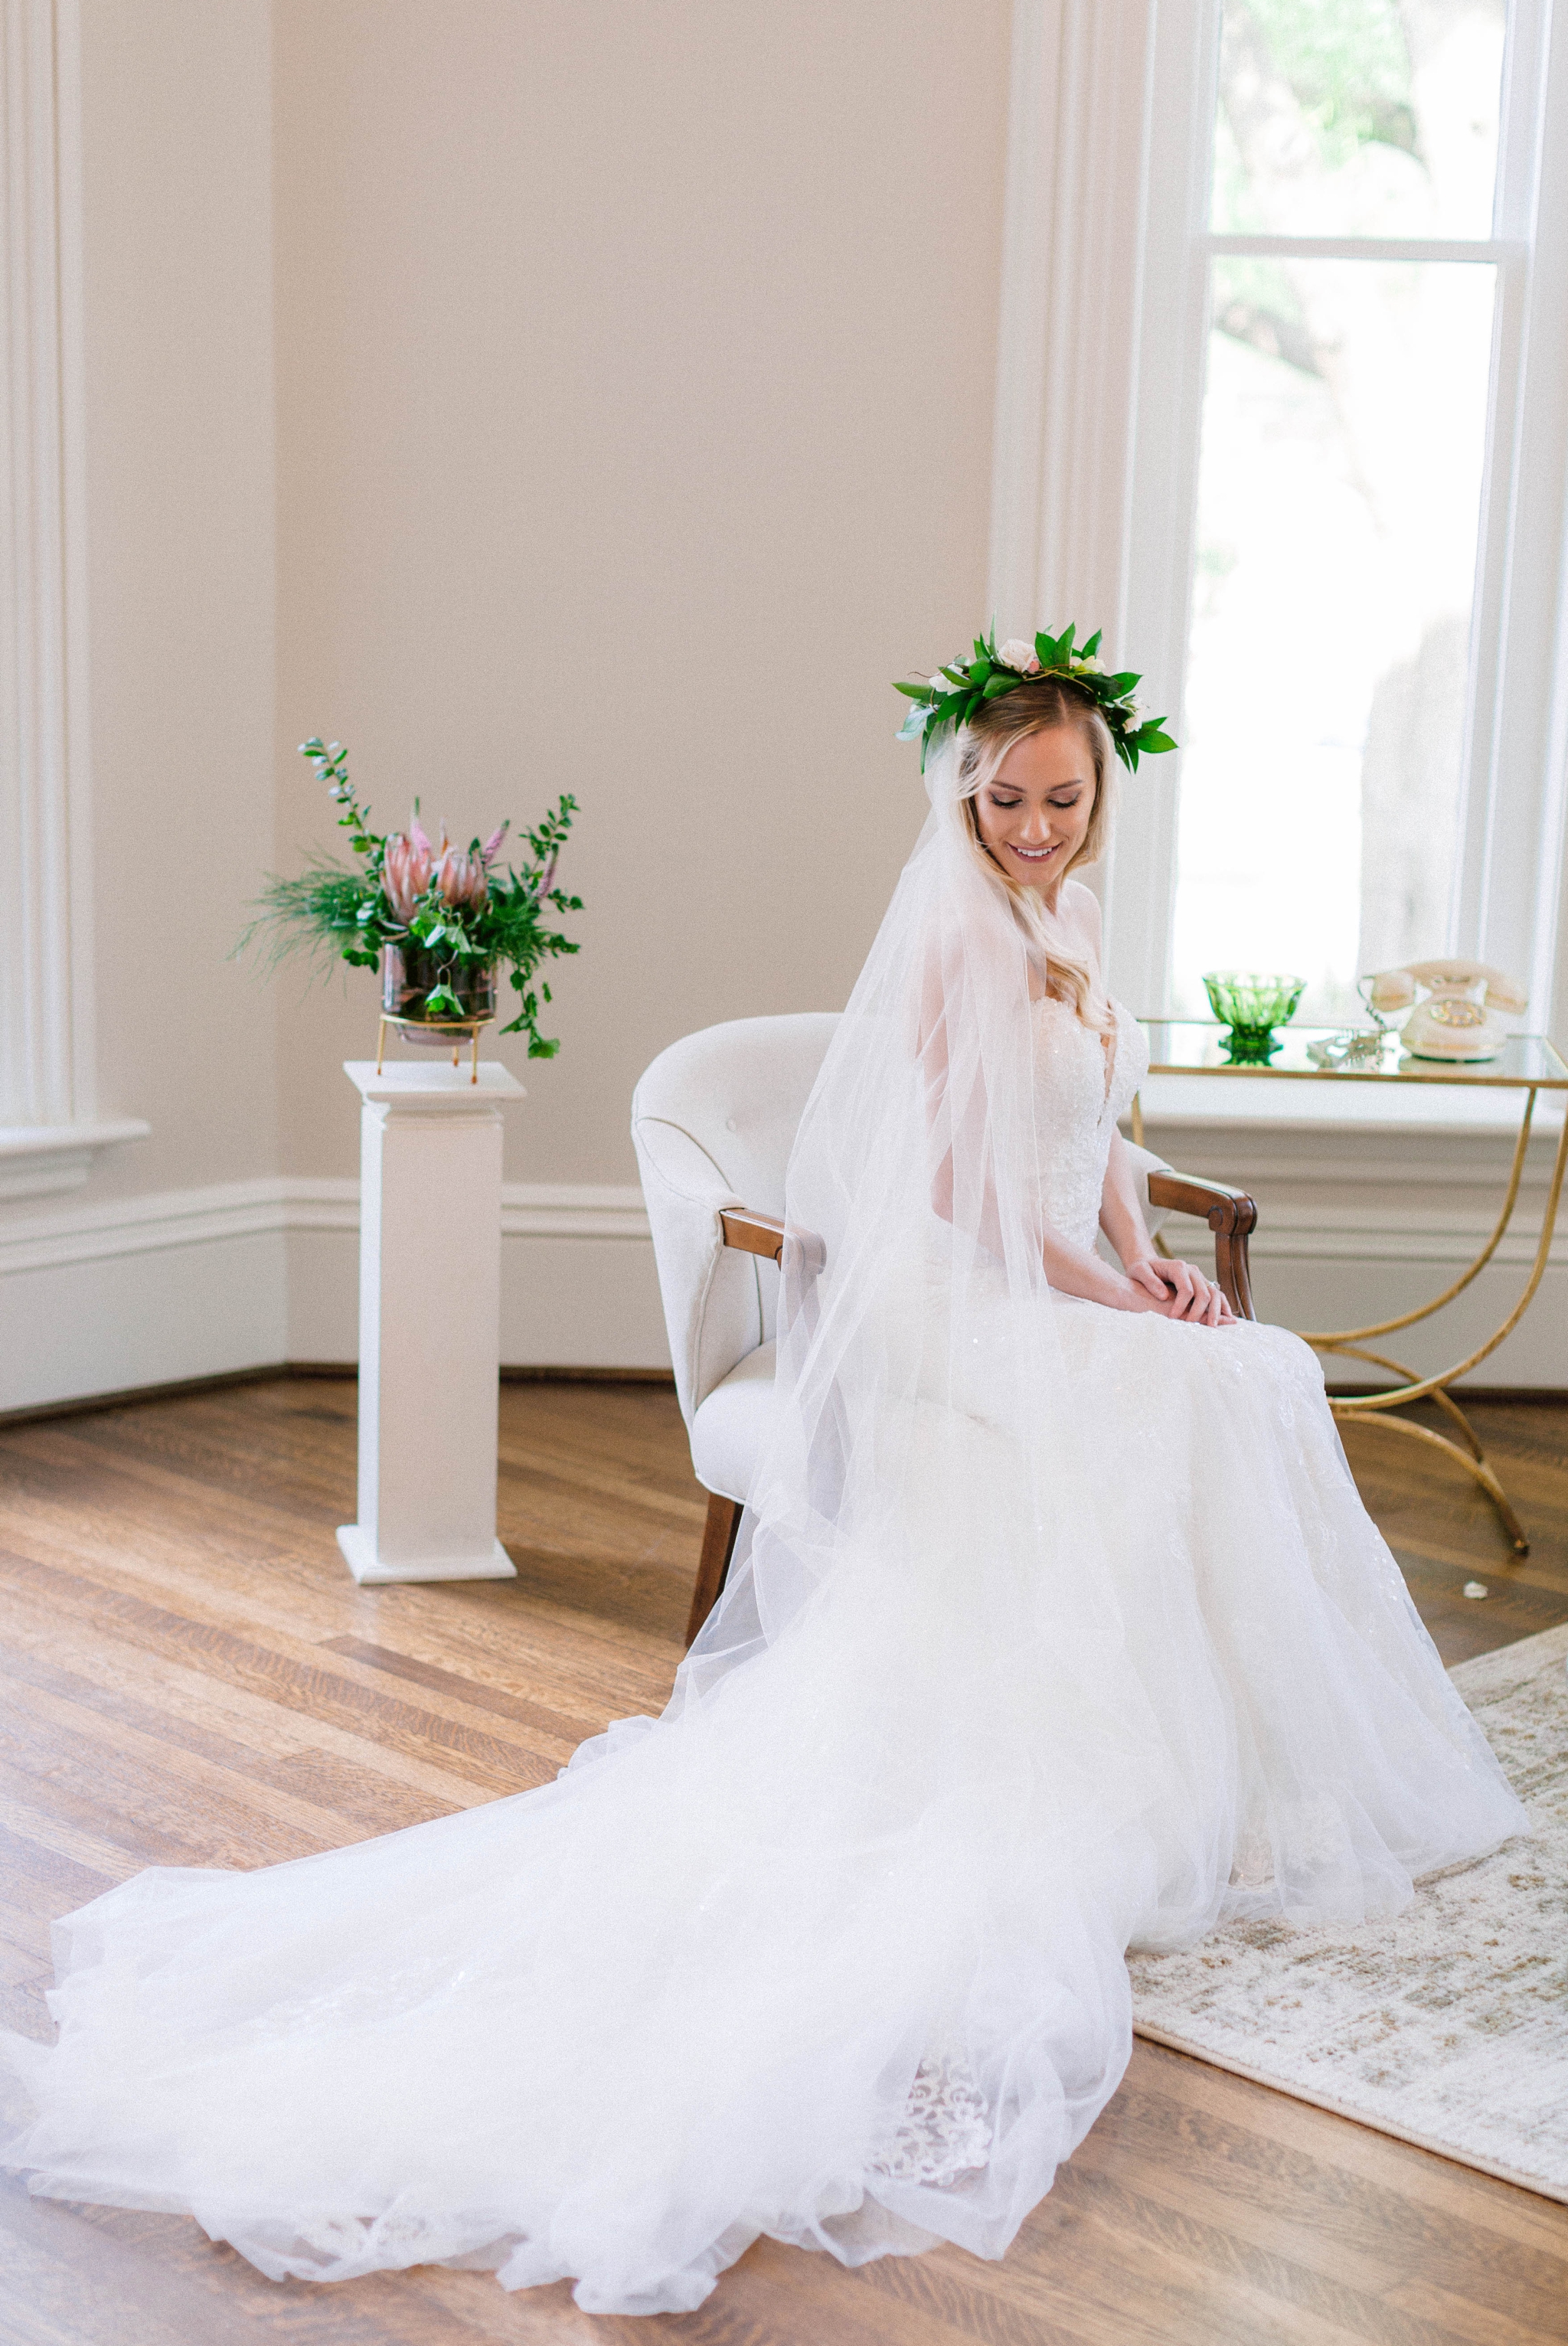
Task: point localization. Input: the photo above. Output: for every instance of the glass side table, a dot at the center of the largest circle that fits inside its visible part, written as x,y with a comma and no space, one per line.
1527,1064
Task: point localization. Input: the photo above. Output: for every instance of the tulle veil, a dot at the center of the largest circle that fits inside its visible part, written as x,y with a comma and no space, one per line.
912,1207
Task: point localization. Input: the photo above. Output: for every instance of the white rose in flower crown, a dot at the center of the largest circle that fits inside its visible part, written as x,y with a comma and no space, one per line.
1018,655
940,683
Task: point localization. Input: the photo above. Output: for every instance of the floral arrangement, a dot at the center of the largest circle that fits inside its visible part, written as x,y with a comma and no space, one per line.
456,905
952,695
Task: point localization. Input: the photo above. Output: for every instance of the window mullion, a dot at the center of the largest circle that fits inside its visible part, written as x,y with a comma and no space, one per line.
1489,631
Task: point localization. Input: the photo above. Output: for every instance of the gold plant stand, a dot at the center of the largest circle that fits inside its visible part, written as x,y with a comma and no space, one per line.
456,1027
1526,1062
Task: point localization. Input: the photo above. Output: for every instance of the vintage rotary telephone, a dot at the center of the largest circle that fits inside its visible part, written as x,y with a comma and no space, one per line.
1452,1006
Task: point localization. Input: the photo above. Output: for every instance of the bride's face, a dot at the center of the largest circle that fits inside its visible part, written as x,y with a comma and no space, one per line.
1034,811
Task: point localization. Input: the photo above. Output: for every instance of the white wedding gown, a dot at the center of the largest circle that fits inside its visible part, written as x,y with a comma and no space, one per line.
835,1950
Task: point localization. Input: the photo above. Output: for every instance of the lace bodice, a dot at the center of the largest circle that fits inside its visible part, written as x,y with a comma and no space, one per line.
1082,1085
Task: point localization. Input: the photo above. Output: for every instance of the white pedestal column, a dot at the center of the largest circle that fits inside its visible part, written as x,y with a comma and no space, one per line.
430,1322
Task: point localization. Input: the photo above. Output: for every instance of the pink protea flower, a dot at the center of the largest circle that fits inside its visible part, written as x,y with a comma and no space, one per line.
461,879
406,869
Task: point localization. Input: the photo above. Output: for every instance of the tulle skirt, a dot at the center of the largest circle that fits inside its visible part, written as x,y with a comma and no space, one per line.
833,1952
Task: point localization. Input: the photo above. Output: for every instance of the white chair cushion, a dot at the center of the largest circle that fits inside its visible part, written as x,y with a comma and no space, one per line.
730,1427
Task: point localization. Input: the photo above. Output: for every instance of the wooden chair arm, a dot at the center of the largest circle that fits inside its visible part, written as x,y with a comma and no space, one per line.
752,1233
1214,1202
765,1235
1230,1214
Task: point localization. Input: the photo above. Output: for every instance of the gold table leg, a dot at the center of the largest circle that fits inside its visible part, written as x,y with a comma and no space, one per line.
1472,1458
1371,1409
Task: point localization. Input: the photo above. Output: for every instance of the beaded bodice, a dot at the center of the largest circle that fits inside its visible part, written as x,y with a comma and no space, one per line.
1082,1083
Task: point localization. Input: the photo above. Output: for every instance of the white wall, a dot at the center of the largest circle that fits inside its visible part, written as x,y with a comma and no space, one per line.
178,251
634,372
175,132
631,429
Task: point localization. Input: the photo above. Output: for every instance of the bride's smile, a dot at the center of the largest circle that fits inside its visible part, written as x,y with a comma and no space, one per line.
1034,813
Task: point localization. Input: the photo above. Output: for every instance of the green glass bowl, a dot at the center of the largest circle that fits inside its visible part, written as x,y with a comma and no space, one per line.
1251,1003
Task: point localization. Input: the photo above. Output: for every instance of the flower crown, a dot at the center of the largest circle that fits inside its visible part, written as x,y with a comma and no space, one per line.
953,696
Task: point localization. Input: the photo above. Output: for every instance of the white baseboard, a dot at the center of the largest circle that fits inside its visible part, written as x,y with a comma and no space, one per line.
201,1282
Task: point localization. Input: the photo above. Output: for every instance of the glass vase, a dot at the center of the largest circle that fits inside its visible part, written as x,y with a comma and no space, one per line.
410,975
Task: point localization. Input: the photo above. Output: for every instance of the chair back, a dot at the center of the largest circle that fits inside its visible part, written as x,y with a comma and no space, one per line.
713,1121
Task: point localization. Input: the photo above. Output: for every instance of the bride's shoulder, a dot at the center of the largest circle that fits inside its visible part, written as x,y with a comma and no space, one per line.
1078,908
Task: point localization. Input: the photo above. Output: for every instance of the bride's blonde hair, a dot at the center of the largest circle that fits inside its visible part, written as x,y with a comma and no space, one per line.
1042,708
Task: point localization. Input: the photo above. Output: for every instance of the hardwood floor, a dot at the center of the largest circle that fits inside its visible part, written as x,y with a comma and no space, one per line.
187,1677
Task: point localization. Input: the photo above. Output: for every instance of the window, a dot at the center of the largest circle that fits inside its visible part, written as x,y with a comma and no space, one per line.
1282,402
1352,302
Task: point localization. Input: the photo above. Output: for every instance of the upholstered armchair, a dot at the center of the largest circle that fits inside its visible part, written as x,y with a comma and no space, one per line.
712,1120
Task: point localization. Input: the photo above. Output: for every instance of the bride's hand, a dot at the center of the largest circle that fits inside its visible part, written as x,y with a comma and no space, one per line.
1179,1291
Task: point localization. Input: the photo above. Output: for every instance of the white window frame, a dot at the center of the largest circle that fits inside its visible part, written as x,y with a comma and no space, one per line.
1103,333
49,1126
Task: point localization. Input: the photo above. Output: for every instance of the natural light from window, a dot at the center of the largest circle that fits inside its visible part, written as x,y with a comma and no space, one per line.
1339,488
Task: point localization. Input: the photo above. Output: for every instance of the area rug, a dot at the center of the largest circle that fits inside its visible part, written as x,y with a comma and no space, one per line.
1448,2026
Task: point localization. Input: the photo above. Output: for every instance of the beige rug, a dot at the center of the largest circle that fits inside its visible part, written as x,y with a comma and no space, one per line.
1448,2026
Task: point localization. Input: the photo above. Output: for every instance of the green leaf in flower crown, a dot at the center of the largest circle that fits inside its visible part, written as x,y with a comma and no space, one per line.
963,687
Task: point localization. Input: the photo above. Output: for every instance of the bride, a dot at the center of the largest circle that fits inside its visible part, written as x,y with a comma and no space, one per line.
1059,1629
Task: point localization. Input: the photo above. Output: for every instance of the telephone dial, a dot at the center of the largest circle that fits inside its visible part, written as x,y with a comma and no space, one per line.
1453,1007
